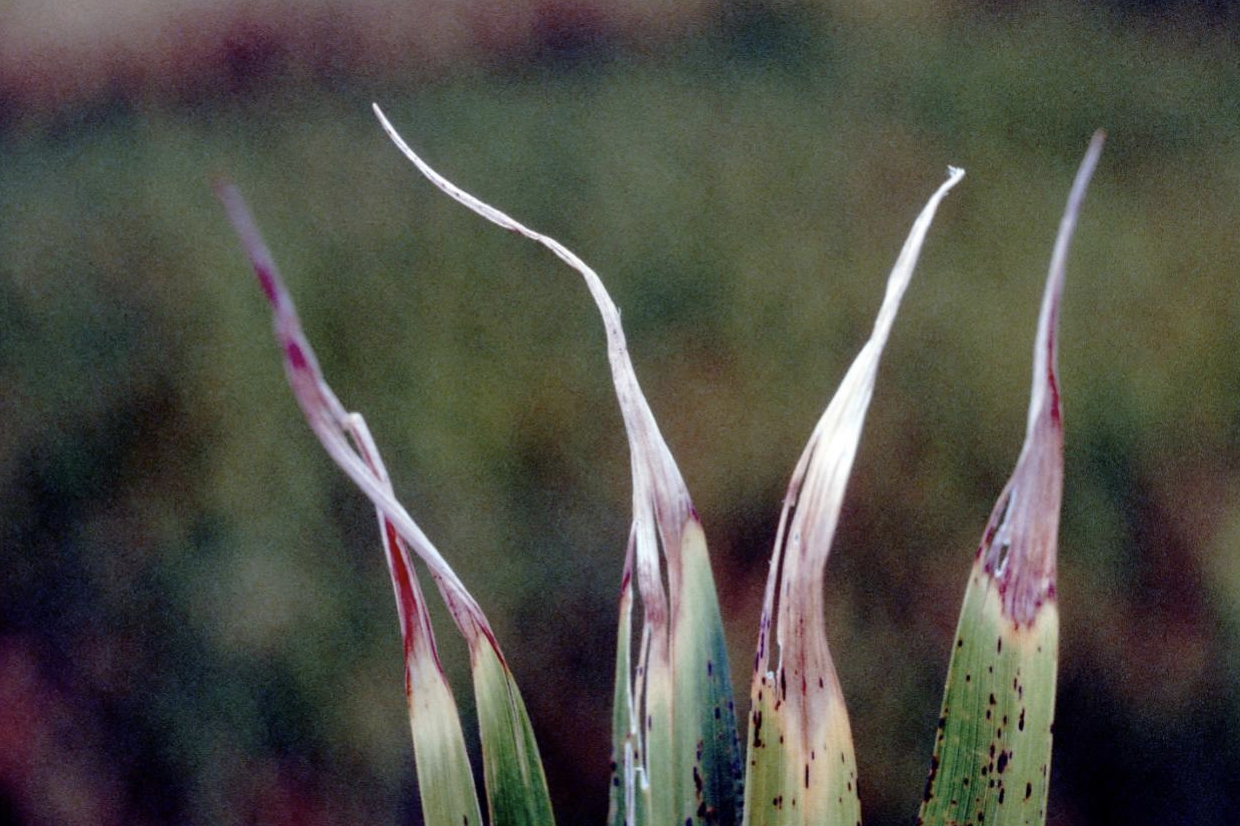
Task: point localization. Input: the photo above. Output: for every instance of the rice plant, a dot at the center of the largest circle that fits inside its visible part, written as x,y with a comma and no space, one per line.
676,754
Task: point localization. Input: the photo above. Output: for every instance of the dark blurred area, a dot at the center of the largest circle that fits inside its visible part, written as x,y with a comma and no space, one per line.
196,624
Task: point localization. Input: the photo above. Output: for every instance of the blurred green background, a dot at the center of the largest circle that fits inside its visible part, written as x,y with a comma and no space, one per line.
196,624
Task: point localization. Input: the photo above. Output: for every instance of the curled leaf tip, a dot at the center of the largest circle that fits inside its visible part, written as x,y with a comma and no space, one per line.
689,760
247,230
335,427
798,714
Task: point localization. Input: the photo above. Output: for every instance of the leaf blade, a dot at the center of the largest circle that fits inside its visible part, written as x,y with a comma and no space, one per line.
516,784
991,760
687,766
798,725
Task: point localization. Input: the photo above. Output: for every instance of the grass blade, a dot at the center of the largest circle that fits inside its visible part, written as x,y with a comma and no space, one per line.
992,754
626,806
445,779
516,787
686,766
801,768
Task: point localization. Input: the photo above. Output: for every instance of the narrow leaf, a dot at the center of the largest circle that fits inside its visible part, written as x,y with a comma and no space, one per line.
627,804
445,779
516,786
801,768
991,762
684,749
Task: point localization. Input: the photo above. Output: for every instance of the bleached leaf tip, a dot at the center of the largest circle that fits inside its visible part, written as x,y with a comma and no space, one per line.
1020,544
243,223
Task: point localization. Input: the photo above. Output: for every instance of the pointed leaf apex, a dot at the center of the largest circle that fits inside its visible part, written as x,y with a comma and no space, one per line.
1020,543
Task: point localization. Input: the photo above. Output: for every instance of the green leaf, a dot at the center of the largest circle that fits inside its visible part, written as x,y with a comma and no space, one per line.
445,779
684,750
991,762
515,783
800,767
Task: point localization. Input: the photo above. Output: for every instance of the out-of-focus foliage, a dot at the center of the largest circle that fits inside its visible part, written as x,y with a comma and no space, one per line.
196,625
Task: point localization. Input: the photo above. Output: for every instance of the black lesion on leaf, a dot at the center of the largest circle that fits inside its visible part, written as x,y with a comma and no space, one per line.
934,770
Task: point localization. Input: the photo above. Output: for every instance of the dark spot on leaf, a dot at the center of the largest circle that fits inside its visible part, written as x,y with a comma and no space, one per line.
266,281
1028,790
296,357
